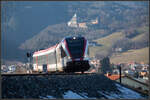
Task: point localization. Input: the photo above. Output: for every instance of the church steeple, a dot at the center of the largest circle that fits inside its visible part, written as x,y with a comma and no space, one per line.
73,21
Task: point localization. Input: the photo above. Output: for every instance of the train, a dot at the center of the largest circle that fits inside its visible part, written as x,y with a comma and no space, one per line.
69,55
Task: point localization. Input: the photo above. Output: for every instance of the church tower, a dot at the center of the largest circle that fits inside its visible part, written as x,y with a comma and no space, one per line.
73,21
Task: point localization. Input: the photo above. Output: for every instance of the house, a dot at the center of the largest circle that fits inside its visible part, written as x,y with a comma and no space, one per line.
12,68
112,76
143,73
82,25
116,71
129,72
94,21
4,68
75,22
95,62
118,49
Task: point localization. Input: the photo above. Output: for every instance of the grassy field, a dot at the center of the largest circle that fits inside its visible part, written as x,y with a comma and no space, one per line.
139,55
131,55
96,49
106,43
143,29
139,37
110,39
143,34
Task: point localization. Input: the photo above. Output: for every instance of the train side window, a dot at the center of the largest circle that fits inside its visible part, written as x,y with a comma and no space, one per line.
51,58
39,60
63,54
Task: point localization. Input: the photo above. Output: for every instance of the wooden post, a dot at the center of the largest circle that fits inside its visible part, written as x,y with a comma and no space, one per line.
120,72
29,61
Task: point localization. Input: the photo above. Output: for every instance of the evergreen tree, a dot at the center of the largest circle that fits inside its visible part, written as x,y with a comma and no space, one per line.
105,66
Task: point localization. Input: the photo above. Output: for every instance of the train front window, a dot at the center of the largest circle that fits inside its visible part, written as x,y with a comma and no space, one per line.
76,46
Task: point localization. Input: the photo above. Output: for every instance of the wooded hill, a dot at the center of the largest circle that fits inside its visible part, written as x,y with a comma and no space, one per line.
121,24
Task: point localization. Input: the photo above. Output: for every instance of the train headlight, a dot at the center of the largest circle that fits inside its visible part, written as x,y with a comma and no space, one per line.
69,57
74,38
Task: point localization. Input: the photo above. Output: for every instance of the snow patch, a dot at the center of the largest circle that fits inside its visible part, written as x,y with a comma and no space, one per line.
47,97
50,97
110,95
85,96
128,92
72,95
125,94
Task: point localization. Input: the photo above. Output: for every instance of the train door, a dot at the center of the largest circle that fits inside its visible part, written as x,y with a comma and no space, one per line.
58,56
59,60
45,68
63,55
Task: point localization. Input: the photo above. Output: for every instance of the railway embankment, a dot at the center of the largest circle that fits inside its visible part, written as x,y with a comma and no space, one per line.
56,86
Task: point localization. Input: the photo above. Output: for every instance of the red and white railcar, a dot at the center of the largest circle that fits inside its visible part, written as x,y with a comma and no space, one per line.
70,55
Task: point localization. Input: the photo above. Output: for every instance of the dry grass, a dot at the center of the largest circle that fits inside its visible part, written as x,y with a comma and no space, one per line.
139,37
139,55
110,39
106,42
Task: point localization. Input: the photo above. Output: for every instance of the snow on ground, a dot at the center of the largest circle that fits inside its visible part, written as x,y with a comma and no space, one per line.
125,94
47,97
69,95
72,95
85,96
129,93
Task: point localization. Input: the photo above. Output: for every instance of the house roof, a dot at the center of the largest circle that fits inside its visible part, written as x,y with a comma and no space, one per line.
112,77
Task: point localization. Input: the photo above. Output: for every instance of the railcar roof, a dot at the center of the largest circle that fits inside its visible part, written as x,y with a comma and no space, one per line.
69,37
41,51
45,50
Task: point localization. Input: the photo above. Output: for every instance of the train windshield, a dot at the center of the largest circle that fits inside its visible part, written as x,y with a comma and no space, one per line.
76,46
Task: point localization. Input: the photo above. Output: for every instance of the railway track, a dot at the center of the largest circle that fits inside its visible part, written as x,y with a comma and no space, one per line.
42,74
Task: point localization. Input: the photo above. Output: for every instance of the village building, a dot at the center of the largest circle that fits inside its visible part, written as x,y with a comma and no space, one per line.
73,21
82,25
94,21
143,73
118,49
12,68
113,76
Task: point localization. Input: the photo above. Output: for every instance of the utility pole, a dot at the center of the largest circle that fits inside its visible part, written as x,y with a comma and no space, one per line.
29,61
120,72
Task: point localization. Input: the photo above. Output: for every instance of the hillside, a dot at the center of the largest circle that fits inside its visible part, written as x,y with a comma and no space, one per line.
34,27
107,43
138,55
132,39
110,38
53,34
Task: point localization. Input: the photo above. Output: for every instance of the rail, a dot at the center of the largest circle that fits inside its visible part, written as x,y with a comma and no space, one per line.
38,74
